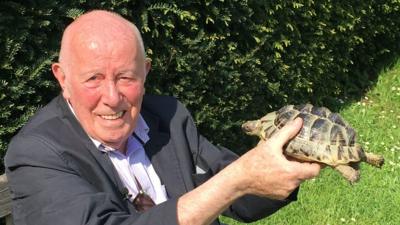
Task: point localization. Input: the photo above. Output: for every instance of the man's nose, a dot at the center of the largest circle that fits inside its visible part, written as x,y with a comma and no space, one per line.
111,94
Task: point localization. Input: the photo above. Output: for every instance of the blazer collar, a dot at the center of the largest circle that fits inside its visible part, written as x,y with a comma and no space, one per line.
159,149
84,140
161,152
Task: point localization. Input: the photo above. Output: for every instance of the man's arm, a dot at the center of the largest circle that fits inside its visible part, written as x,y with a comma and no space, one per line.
49,187
262,171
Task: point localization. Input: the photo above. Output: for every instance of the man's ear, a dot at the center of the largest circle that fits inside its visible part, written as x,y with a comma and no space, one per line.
147,65
60,76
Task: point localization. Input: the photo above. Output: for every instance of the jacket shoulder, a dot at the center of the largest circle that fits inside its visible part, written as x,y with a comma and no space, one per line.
45,115
164,107
46,130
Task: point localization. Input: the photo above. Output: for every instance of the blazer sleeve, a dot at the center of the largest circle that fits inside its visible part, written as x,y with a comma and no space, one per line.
46,190
210,159
249,208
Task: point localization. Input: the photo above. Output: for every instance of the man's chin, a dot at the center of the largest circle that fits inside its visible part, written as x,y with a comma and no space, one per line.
115,144
116,141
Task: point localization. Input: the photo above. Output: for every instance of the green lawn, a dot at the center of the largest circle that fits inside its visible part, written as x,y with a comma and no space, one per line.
375,200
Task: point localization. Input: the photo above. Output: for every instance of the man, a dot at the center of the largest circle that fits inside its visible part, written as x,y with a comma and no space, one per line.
103,153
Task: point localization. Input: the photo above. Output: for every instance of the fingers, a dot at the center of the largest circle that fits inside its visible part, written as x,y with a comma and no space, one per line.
287,132
309,170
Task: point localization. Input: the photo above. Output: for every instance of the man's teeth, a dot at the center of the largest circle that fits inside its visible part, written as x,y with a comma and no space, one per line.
112,116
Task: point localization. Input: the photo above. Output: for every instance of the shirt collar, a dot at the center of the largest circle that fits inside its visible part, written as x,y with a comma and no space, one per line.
141,130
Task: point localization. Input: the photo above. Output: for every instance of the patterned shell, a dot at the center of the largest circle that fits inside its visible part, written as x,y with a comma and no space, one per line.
319,125
325,137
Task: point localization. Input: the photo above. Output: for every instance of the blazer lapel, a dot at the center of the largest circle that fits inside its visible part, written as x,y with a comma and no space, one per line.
163,157
102,158
159,149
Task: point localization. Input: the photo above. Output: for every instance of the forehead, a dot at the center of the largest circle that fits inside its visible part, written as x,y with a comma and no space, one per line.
97,52
97,33
105,43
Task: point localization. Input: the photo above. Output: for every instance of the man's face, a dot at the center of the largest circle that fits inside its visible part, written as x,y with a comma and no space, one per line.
104,83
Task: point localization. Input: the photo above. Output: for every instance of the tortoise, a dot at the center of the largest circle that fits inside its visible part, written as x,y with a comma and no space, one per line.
325,138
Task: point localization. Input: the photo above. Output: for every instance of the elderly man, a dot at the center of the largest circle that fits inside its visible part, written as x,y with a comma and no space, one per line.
104,153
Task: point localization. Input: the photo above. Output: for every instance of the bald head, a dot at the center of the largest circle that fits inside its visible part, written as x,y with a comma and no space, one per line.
102,72
98,27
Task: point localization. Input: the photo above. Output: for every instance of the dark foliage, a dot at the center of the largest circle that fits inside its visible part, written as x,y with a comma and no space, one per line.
228,61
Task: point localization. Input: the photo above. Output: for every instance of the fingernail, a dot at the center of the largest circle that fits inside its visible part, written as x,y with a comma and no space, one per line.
296,120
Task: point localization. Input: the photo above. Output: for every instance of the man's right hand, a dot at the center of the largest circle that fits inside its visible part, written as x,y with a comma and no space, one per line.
263,171
266,171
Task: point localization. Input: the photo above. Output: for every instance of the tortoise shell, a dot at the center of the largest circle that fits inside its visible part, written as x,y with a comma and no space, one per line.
325,136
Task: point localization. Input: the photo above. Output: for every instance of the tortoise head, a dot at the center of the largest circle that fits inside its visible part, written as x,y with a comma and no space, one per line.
258,127
252,127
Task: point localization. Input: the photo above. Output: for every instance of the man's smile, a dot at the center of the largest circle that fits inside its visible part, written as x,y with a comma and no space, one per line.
113,116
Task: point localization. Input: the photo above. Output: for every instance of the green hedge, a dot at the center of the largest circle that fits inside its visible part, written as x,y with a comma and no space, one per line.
226,60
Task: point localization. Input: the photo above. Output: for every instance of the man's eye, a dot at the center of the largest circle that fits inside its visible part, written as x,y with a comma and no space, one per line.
127,77
93,81
93,78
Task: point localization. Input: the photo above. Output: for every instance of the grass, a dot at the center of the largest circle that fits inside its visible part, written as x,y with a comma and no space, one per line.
375,200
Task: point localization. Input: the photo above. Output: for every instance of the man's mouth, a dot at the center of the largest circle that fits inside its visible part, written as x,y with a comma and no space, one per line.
113,116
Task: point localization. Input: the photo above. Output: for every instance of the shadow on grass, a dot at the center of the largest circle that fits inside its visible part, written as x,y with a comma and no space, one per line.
356,89
353,89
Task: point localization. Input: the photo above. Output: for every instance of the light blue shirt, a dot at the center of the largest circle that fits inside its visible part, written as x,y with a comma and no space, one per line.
135,163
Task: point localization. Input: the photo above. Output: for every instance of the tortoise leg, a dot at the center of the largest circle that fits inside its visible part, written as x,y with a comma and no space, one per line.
375,160
355,165
349,172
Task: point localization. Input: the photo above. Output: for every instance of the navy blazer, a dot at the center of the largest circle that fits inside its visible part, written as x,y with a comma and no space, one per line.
57,175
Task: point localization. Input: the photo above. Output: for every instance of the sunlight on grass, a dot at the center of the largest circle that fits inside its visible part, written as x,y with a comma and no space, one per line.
375,200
